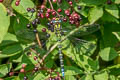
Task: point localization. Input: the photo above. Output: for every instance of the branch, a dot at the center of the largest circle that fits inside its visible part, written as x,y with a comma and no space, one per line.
38,40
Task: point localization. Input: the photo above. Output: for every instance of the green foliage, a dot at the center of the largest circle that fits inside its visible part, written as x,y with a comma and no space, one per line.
90,53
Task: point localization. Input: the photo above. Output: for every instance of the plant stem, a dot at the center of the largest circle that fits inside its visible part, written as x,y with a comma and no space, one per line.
38,40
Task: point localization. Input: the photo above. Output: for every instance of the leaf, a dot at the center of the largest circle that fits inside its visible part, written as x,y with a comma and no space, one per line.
81,60
4,22
71,70
113,10
4,69
87,77
101,76
8,40
117,1
95,14
11,51
112,77
108,54
109,18
70,78
22,8
93,2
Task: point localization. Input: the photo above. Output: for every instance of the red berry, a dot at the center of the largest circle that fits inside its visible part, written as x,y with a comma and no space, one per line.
42,6
47,15
65,19
28,9
22,70
70,2
59,10
53,18
53,13
23,65
17,3
68,14
70,18
75,15
41,15
35,58
11,73
44,30
48,10
1,1
54,1
67,11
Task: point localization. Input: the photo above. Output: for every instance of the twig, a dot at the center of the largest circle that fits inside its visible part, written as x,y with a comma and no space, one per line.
53,9
38,40
51,5
54,46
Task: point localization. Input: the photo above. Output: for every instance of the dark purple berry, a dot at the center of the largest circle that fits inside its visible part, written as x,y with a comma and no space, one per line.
79,7
32,10
25,78
36,69
47,35
28,25
35,31
109,2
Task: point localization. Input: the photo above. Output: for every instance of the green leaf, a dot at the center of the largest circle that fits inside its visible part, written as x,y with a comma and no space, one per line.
9,39
87,77
70,78
95,14
113,10
109,18
101,76
11,51
22,8
108,54
117,1
71,70
4,22
112,77
4,69
93,2
82,60
39,76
